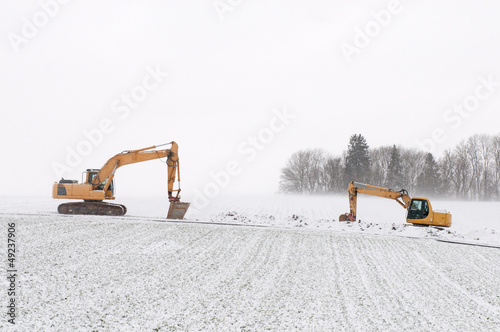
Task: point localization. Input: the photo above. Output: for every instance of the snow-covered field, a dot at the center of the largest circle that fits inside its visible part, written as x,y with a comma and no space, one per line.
303,271
474,222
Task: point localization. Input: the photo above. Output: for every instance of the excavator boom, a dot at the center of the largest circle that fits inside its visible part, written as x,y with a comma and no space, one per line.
107,172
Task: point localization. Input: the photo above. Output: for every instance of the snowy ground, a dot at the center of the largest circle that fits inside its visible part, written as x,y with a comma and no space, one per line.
473,222
303,271
95,273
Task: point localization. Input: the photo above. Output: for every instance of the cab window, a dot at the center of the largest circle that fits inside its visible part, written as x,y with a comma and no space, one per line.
90,176
419,209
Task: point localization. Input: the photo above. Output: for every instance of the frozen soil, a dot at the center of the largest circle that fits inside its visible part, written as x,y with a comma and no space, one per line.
107,274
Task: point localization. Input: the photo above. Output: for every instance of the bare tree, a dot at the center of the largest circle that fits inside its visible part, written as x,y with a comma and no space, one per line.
474,156
302,172
314,169
495,147
380,159
486,154
333,175
447,169
462,173
412,162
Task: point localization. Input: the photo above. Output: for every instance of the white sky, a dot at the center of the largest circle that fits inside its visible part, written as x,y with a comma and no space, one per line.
225,79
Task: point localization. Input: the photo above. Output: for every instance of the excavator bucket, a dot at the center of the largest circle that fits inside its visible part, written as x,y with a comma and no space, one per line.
177,210
343,217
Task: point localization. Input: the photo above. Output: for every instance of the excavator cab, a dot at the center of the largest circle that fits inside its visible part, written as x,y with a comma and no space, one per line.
89,175
420,212
418,209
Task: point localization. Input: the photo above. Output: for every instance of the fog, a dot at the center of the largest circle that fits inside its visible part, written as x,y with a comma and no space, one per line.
243,83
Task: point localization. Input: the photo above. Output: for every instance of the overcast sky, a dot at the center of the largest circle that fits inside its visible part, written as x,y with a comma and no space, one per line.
238,84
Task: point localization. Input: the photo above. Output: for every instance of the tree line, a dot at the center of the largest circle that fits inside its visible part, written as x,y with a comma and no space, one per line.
469,171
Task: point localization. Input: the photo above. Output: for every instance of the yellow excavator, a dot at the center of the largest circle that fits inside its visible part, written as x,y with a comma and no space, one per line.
98,184
419,209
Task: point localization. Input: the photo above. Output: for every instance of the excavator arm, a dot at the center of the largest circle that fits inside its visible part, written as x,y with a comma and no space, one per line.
401,196
107,172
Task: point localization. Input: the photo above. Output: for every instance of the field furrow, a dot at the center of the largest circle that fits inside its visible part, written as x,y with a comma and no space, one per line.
97,273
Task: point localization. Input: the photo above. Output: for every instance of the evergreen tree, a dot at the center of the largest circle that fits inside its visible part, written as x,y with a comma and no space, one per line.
429,181
357,159
395,178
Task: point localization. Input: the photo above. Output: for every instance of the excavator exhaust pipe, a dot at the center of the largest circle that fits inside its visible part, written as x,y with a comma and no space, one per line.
177,210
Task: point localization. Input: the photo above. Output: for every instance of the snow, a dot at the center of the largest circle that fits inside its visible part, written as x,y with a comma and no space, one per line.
474,222
300,269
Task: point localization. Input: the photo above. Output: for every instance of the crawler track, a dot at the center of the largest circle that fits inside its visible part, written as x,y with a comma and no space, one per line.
92,208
